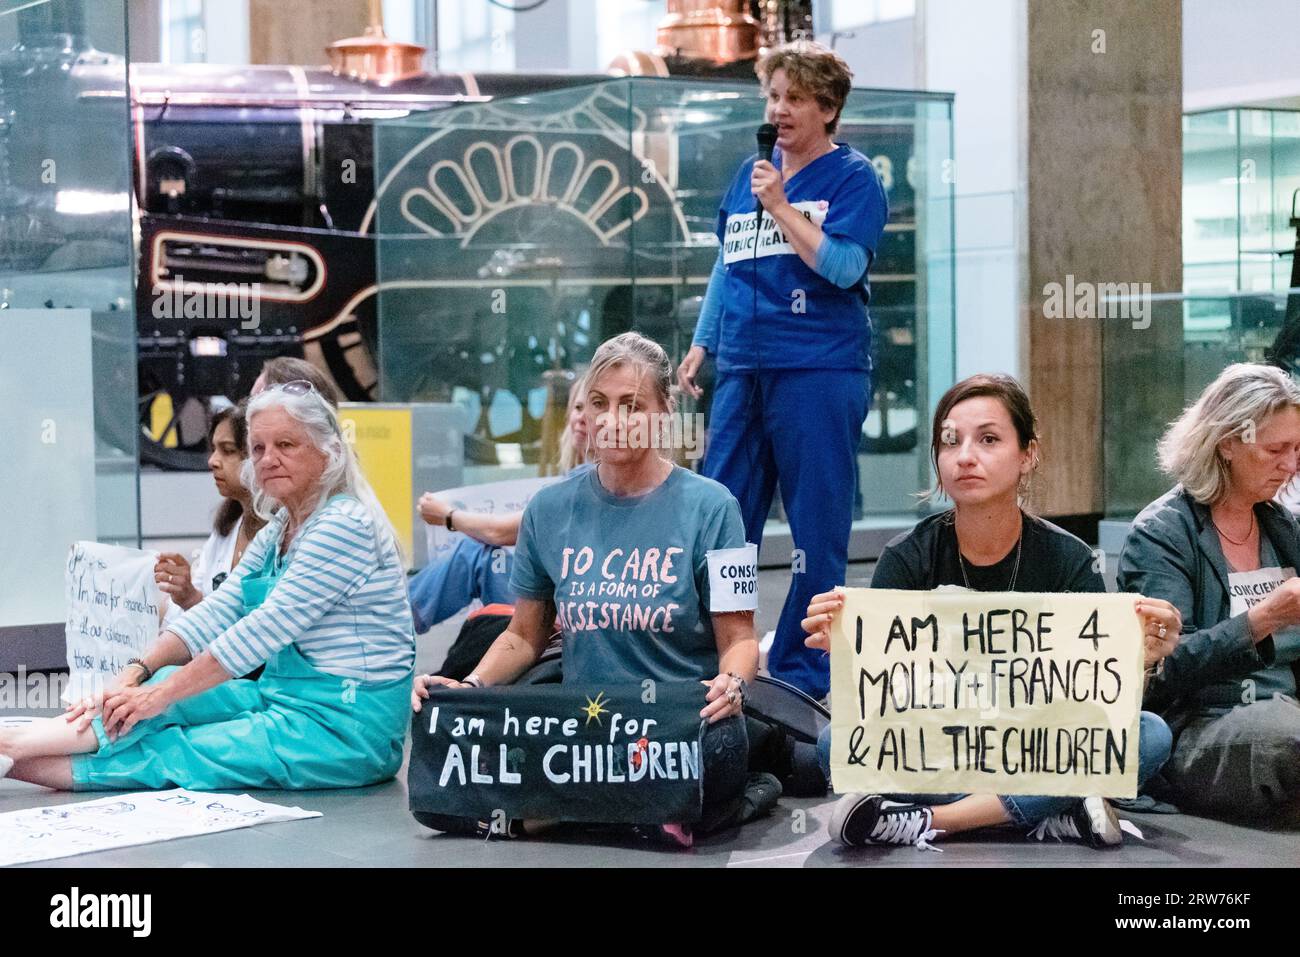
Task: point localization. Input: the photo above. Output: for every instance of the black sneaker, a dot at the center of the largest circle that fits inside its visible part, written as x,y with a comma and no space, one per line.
1091,821
862,819
762,791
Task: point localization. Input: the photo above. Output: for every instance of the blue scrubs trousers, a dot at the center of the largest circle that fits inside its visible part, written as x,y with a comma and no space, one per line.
799,428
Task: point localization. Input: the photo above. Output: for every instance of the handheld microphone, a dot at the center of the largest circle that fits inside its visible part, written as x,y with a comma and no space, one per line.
766,137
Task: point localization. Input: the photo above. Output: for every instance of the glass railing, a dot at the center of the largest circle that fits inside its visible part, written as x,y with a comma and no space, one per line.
1241,175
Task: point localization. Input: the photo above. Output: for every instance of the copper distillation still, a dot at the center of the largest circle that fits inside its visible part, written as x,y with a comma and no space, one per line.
717,33
374,57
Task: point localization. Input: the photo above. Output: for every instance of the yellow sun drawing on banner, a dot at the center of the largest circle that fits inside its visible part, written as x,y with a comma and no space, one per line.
594,709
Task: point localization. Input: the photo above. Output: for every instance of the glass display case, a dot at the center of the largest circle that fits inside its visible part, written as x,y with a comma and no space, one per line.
1151,375
1241,199
515,236
68,362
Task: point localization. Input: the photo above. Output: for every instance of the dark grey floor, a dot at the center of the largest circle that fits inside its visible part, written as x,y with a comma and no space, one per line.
371,827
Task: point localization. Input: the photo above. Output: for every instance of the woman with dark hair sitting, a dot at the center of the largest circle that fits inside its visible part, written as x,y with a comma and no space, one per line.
233,527
984,447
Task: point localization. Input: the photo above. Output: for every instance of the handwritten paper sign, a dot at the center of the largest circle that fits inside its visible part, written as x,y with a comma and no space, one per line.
112,608
985,693
46,833
614,754
490,498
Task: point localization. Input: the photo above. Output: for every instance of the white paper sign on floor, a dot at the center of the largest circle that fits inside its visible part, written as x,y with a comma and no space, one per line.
46,833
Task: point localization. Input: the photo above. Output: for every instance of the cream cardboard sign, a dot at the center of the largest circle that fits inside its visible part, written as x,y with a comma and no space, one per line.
986,693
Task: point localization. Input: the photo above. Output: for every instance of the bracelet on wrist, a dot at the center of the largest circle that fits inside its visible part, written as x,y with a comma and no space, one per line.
473,680
144,669
741,684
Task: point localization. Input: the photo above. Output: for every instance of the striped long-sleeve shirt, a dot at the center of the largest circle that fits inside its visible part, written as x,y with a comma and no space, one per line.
340,599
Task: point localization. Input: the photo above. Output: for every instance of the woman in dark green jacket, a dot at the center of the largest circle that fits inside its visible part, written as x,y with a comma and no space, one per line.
1225,554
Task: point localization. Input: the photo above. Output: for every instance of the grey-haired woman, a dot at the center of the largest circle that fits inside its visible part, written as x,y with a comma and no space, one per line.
1225,553
319,598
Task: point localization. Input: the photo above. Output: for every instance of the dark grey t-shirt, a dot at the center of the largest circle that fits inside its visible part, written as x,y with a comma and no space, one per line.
1051,560
628,574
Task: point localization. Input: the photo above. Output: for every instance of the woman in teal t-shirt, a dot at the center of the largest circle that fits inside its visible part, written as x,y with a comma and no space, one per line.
615,558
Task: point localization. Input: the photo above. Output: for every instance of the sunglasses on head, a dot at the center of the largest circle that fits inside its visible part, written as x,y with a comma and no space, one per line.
296,387
303,387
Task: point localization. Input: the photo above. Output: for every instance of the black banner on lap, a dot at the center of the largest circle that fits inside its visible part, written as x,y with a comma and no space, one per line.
625,754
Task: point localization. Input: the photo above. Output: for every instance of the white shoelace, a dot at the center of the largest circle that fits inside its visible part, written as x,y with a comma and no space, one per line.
911,827
1063,826
1060,827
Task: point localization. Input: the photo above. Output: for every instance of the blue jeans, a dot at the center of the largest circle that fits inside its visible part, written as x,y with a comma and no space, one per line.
1155,741
448,584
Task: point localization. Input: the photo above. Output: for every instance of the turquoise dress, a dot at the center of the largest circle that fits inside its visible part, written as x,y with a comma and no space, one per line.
295,727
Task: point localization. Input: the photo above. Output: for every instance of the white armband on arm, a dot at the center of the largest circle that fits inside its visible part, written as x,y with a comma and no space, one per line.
733,579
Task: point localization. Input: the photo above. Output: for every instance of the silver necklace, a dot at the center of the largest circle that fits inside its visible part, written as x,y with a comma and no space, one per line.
1015,569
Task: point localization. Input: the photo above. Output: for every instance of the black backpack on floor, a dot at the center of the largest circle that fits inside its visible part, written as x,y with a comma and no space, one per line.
783,725
780,703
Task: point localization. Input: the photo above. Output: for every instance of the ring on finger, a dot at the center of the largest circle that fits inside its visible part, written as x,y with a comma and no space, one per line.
1161,632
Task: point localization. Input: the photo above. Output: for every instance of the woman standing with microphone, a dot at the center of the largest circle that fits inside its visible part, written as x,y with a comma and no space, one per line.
785,317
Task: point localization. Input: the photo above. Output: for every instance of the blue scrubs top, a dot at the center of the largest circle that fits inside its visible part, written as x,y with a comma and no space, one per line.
777,313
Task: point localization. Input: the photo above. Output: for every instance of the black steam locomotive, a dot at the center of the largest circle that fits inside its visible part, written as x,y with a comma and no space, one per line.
265,178
264,175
